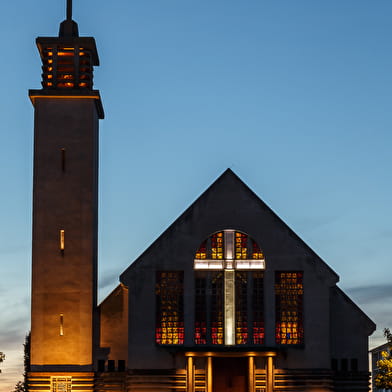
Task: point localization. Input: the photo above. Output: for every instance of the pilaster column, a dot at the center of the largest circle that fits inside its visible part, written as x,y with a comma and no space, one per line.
190,376
270,374
251,374
209,374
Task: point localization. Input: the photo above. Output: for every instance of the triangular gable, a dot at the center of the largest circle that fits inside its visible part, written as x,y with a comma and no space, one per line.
230,203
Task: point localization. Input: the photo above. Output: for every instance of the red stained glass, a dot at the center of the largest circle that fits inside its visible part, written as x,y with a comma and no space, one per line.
217,246
241,246
241,305
258,308
217,308
202,251
170,314
256,251
200,310
243,255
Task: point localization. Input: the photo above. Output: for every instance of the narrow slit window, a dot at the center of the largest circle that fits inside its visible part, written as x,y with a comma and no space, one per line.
61,324
111,365
63,159
62,240
101,365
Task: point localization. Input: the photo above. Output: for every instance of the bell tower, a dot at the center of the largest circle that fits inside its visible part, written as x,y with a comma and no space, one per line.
65,208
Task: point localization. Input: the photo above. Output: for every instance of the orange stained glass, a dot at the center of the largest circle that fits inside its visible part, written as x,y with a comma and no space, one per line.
257,253
217,309
202,251
288,301
246,322
200,309
217,333
217,246
241,246
170,314
241,306
258,307
65,54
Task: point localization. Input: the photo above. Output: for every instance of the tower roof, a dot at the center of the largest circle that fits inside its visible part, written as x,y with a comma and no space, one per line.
67,63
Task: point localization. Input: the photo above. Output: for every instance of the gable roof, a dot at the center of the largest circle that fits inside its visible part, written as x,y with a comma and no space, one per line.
367,322
227,185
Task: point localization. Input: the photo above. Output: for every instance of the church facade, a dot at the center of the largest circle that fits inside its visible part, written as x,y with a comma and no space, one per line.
228,298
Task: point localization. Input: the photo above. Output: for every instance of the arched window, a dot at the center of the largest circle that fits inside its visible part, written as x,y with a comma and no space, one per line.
229,249
229,290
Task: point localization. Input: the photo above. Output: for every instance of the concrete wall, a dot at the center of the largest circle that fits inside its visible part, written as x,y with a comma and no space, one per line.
350,329
113,313
64,282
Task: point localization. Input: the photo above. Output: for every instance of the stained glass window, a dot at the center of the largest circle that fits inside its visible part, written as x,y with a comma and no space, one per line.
170,310
201,308
257,253
241,304
258,307
241,246
229,249
217,246
217,308
228,308
288,301
202,251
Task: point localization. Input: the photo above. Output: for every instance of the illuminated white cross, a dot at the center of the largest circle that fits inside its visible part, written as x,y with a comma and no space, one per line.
229,264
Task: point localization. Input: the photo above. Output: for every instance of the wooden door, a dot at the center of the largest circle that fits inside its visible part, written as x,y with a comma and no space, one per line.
230,375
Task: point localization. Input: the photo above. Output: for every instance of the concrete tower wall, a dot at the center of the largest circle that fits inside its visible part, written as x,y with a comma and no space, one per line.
64,198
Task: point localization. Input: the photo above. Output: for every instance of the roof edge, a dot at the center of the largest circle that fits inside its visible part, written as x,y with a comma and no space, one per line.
229,173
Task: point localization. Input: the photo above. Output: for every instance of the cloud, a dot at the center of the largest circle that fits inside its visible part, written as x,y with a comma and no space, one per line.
13,332
12,370
12,339
372,293
14,323
375,301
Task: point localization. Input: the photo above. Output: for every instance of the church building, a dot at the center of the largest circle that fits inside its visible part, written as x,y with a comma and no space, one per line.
227,299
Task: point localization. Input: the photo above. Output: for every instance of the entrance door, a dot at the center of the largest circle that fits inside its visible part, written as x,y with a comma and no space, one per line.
230,374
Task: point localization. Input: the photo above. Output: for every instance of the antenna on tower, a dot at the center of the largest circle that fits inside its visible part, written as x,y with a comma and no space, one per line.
69,28
69,9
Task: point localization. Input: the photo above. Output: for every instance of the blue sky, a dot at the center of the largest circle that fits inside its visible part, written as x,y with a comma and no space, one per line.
294,96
